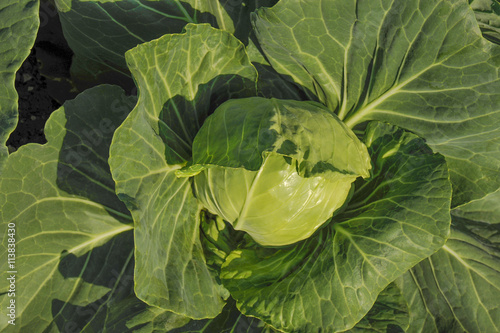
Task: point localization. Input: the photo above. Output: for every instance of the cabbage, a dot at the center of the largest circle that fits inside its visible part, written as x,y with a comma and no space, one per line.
276,169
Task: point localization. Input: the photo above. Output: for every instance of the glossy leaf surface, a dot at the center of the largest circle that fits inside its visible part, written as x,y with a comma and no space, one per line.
18,27
420,65
174,88
57,201
331,280
457,289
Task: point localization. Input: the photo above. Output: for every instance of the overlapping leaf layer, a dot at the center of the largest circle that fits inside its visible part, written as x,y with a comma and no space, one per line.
125,245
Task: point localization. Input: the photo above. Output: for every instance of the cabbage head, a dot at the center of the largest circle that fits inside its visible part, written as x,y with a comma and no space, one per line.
277,169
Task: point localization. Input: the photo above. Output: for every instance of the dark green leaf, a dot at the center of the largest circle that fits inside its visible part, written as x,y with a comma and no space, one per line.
331,280
229,321
242,131
132,315
100,32
18,27
270,83
421,65
177,77
389,314
458,288
488,16
73,236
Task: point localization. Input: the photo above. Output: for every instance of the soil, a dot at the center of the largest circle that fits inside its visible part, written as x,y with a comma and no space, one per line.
35,105
43,81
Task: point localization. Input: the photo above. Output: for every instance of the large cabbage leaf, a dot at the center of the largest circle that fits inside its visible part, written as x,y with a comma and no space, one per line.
100,32
18,27
488,16
241,132
458,288
180,78
229,321
331,280
389,314
74,244
420,65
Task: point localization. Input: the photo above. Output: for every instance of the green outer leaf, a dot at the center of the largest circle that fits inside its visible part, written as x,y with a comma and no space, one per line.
331,280
485,210
239,15
176,76
241,132
100,32
120,310
218,239
18,27
184,91
96,269
458,288
421,65
229,321
388,314
132,315
65,5
270,83
68,220
488,16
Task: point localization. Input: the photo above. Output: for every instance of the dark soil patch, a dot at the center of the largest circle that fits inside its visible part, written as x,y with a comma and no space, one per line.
43,81
35,104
